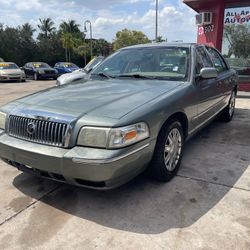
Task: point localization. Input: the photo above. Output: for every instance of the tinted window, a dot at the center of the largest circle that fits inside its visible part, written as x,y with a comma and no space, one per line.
40,65
202,60
219,64
205,58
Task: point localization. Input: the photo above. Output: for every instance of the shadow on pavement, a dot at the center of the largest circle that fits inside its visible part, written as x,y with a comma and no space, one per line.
146,207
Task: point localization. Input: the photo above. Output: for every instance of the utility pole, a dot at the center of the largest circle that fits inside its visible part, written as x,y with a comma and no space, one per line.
90,31
156,20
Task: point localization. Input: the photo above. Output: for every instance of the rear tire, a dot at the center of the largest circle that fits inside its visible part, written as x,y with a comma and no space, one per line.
228,112
168,152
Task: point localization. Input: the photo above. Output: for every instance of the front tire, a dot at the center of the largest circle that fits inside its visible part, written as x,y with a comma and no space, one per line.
168,152
228,112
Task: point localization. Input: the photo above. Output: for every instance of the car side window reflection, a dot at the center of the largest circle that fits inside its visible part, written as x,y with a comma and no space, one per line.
219,64
202,60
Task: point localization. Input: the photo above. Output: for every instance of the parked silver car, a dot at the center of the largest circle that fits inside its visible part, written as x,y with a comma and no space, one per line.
135,112
9,71
79,74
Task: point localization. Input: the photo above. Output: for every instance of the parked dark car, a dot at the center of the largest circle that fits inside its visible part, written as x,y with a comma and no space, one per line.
39,70
135,112
65,67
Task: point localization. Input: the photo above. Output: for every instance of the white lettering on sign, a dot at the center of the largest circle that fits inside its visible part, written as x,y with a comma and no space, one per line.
205,29
200,30
209,28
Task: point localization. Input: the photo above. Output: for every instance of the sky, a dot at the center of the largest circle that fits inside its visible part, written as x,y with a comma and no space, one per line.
176,20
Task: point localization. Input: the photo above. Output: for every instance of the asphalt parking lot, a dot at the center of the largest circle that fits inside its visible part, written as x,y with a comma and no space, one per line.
207,206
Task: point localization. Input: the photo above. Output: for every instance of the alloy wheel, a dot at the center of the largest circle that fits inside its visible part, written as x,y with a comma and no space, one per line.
232,104
173,147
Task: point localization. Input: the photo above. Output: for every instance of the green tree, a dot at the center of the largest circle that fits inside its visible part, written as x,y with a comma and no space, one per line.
10,44
46,28
101,47
127,37
27,45
70,27
67,40
82,50
238,37
70,35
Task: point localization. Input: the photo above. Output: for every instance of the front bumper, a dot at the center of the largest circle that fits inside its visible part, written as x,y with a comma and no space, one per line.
90,167
12,78
47,76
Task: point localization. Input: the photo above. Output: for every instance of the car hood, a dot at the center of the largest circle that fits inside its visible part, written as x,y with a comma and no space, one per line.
11,71
112,98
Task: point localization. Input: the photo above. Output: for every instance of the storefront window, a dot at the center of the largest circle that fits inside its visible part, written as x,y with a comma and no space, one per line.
236,41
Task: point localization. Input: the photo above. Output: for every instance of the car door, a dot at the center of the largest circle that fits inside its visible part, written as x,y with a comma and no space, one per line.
206,88
58,67
28,70
224,80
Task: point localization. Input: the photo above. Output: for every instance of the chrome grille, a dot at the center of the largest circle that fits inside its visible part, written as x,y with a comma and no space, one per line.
45,132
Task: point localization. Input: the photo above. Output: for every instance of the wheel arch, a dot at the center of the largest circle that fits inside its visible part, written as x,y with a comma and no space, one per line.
181,117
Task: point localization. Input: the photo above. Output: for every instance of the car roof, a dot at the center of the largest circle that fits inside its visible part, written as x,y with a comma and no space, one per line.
164,44
37,62
8,62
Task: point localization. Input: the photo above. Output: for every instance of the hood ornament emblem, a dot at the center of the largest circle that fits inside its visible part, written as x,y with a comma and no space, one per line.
31,128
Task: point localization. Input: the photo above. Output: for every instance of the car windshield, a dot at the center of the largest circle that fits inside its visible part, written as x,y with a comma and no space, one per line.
68,65
164,63
8,66
40,65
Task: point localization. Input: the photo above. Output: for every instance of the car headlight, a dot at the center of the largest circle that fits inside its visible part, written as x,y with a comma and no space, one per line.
113,137
2,120
40,71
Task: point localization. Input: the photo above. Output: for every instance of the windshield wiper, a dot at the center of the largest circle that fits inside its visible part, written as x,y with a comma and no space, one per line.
137,76
102,74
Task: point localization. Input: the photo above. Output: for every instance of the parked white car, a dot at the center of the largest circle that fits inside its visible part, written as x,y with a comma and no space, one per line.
9,71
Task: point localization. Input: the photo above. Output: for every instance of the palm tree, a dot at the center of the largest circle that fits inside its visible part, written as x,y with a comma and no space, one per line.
69,32
68,44
27,29
46,27
70,27
81,49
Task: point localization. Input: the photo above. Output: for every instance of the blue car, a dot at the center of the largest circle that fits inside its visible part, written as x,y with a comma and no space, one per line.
65,67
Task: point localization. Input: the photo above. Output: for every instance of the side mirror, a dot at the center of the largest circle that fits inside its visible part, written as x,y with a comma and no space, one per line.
207,73
22,68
